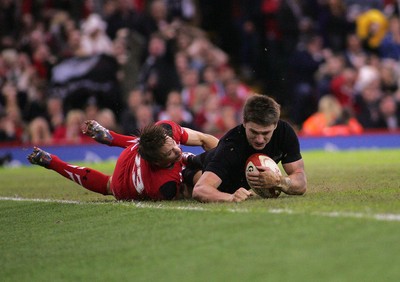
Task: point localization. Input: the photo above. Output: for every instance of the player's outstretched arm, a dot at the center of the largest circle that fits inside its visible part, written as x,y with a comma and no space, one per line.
197,138
206,190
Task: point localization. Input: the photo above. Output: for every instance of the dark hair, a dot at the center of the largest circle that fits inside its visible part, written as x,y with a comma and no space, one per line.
152,138
262,110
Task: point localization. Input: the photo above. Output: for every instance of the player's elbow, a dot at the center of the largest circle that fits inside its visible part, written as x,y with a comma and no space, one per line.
302,189
198,193
209,142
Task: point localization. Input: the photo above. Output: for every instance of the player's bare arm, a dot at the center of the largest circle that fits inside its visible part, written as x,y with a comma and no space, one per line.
206,190
204,140
295,183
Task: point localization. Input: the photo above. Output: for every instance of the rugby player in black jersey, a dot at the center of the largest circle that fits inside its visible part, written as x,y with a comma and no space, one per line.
223,178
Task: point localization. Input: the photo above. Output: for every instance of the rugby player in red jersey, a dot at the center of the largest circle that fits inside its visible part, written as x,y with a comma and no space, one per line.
149,168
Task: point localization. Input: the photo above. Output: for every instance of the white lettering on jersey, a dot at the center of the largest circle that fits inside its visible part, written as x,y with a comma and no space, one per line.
137,177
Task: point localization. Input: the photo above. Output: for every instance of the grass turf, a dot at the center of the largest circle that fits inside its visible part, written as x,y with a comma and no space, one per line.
330,234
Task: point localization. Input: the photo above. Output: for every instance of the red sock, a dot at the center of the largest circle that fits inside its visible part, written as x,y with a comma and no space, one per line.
90,179
122,141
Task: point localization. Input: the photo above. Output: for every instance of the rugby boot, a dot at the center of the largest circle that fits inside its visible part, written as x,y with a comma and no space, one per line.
97,132
39,157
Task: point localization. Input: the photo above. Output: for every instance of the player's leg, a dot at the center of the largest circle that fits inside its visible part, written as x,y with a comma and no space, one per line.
105,136
86,177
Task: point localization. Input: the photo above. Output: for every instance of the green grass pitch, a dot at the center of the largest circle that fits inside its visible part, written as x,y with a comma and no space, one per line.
346,228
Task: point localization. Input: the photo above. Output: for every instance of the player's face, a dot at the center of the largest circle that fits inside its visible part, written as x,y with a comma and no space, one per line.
257,135
171,152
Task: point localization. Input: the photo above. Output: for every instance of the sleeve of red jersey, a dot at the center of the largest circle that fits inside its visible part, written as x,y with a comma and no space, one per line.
178,133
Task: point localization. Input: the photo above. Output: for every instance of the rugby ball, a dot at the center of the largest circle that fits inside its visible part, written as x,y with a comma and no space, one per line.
263,160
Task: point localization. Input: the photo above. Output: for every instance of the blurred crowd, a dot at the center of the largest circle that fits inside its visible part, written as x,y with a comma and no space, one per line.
333,65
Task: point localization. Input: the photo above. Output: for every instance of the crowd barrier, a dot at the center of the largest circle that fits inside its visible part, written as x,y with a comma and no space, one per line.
94,152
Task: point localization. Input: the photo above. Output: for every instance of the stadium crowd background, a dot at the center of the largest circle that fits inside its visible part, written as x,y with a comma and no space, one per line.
333,65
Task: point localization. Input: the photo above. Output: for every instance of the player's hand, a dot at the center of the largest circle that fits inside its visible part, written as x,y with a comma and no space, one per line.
263,178
241,195
93,129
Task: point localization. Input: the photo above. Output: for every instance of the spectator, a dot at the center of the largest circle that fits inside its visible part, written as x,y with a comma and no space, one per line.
190,80
13,122
334,24
128,48
250,38
121,14
294,22
211,79
39,132
129,116
303,66
366,74
73,46
156,20
201,94
354,53
233,96
389,75
182,63
183,10
342,87
176,111
372,26
331,119
43,61
368,106
94,39
91,108
389,113
226,74
145,117
8,20
71,131
390,45
158,74
25,73
207,119
214,118
36,100
202,52
107,118
10,132
327,71
55,112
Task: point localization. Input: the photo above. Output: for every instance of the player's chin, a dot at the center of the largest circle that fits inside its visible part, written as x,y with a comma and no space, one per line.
259,146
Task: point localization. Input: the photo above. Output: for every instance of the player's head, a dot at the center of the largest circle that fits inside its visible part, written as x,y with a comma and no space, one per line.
260,118
158,147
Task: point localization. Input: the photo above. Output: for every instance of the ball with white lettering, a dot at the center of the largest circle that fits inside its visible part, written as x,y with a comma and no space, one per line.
263,160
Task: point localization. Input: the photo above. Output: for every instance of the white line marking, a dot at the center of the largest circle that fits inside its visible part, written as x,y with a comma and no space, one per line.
145,205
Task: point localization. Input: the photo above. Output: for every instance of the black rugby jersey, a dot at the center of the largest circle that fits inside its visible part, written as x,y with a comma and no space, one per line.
228,159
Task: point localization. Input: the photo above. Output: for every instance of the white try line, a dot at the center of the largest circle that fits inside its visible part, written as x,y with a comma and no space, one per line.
149,205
